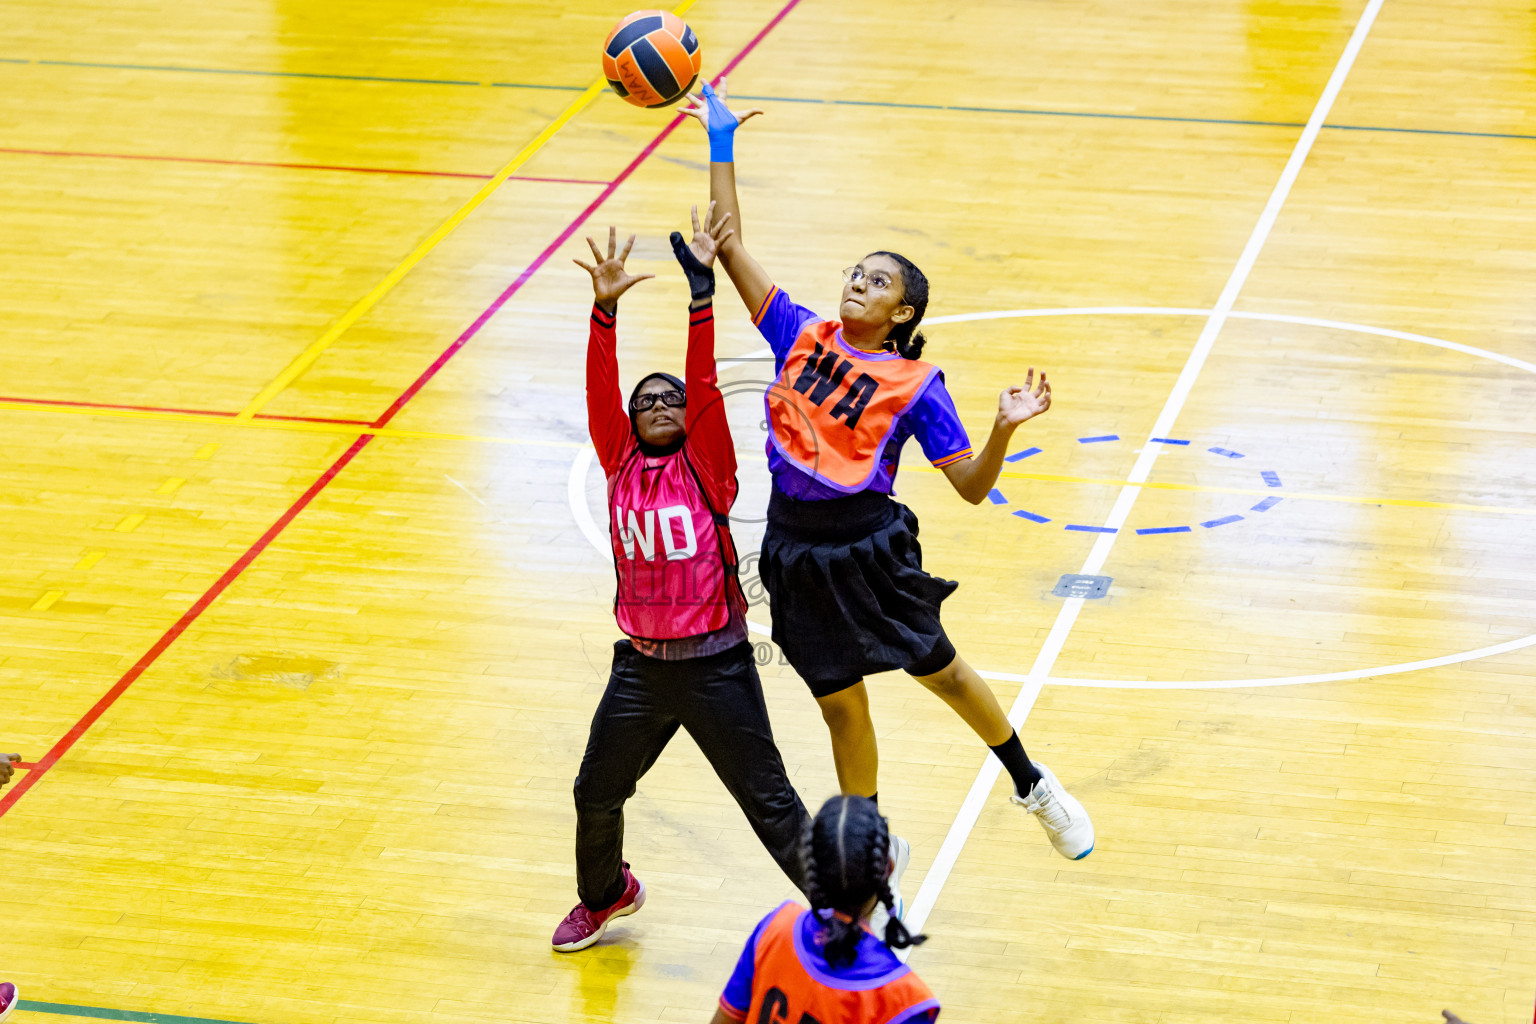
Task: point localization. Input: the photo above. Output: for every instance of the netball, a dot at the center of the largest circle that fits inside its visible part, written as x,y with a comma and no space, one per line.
652,58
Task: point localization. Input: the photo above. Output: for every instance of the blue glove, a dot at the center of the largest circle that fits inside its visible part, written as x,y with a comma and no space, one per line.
722,128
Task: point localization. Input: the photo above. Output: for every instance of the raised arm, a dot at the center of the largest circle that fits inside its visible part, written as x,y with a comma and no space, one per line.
973,478
709,432
607,420
751,280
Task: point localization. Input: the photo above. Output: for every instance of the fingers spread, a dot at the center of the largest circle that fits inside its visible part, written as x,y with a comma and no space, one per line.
597,253
627,246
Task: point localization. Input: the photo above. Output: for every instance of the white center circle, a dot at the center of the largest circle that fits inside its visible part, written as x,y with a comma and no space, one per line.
576,492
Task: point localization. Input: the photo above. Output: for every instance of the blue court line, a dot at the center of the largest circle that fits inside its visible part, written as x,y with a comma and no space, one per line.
1026,453
1223,521
1225,451
1031,516
1164,529
1169,440
1101,437
1091,529
1023,111
1426,131
1267,504
1036,112
997,497
103,1013
1271,477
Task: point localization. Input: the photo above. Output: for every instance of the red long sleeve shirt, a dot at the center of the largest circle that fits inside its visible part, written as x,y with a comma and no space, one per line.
707,445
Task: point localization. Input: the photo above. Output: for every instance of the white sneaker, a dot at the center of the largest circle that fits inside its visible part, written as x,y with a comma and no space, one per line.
1059,813
901,855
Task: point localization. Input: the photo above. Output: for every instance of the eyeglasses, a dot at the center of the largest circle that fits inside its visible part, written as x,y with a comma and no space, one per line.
674,398
878,280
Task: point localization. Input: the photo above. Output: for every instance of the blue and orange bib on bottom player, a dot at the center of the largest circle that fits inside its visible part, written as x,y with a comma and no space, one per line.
793,984
833,407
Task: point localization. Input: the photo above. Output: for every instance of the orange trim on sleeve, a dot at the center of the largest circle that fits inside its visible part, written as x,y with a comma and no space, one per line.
731,1011
963,453
767,299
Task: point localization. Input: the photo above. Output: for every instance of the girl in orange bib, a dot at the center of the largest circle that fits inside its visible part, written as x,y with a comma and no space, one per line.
840,558
824,963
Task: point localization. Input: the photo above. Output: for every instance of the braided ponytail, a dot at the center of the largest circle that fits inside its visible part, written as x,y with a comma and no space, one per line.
905,338
847,860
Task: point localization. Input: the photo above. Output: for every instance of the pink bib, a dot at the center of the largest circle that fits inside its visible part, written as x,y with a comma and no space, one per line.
672,552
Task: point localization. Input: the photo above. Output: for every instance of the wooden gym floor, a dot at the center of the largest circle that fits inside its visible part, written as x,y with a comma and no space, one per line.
302,627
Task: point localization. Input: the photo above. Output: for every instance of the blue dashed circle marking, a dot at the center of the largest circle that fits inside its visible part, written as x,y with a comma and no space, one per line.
1269,476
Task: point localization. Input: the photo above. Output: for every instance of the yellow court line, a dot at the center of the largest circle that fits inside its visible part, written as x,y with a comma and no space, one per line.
306,359
1060,478
354,430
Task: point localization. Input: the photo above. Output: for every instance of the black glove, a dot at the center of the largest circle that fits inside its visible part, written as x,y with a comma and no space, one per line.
701,279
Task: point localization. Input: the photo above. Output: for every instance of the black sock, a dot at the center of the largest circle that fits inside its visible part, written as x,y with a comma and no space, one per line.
1011,753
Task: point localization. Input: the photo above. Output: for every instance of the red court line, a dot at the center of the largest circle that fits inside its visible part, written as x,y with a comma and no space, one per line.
59,749
571,229
293,166
217,413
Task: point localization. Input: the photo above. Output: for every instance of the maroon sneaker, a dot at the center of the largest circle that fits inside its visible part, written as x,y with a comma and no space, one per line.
9,997
582,927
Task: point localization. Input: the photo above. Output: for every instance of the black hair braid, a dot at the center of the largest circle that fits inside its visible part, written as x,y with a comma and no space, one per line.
896,934
905,338
813,889
841,931
847,856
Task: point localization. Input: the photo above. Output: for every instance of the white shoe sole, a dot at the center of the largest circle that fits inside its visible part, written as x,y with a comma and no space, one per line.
580,944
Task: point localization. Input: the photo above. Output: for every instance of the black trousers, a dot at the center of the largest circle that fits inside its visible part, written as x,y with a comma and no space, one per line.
719,700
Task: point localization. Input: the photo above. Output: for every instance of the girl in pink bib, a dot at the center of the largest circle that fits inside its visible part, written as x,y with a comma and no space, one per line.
685,661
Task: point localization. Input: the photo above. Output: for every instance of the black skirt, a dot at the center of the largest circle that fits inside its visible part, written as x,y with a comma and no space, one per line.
847,589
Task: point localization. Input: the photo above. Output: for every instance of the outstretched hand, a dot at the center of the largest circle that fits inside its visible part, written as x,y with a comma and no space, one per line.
609,278
712,114
707,240
1017,404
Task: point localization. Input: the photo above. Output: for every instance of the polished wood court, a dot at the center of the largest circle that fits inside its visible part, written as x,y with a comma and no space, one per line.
304,670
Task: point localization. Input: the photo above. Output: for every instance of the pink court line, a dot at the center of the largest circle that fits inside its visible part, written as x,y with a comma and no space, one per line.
295,166
69,739
214,413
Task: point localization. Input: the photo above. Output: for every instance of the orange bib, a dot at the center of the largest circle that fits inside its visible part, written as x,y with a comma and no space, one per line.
787,989
833,408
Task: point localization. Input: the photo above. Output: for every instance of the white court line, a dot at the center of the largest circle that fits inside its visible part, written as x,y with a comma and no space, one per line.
970,810
581,512
1279,318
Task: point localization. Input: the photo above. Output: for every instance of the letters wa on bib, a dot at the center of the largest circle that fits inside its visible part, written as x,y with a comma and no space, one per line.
840,559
